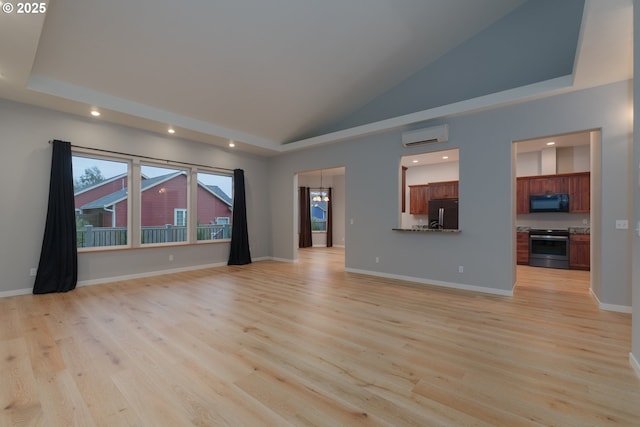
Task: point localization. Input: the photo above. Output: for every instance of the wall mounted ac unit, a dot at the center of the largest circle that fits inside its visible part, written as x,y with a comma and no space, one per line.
425,136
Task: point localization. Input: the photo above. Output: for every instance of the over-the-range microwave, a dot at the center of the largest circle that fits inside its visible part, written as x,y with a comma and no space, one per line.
549,203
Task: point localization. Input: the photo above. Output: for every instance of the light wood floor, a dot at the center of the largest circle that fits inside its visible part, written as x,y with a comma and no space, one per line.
308,344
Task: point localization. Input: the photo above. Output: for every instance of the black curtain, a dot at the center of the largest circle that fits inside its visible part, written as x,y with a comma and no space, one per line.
239,254
304,234
329,219
58,266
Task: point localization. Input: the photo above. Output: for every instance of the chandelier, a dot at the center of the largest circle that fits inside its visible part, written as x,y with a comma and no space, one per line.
321,196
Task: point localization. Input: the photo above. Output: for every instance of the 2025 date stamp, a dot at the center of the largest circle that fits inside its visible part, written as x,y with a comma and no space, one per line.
24,8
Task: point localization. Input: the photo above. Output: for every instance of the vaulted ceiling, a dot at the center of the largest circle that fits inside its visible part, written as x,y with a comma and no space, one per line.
276,75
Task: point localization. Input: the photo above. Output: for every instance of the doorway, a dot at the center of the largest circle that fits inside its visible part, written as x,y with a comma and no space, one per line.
325,186
556,167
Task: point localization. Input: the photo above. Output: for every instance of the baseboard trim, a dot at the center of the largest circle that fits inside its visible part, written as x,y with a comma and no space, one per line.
103,280
461,286
611,307
634,364
290,261
7,294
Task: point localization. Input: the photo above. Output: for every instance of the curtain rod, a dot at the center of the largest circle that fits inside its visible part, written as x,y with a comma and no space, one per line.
149,158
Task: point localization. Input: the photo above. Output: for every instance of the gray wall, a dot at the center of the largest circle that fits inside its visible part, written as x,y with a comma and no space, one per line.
636,188
24,185
486,246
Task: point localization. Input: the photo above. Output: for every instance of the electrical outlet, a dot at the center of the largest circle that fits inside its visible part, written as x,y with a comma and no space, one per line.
460,269
377,260
33,271
622,224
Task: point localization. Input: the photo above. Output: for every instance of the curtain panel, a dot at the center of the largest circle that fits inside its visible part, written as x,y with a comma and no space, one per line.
330,219
58,266
304,232
239,253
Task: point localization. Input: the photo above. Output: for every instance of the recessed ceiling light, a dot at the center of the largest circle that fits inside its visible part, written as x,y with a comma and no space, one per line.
171,130
445,157
414,161
95,113
551,143
232,144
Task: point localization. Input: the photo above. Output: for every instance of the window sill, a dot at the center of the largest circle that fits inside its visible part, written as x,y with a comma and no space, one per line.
149,246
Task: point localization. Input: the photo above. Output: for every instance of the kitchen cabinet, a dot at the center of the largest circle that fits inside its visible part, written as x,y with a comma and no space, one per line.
579,192
577,185
579,251
522,195
549,184
444,190
419,196
522,247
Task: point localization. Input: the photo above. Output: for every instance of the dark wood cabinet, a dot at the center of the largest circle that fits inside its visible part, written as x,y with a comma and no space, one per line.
580,251
580,192
522,195
549,184
444,190
522,247
577,185
419,196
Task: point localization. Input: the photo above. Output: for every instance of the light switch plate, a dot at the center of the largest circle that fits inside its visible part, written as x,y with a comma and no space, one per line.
622,224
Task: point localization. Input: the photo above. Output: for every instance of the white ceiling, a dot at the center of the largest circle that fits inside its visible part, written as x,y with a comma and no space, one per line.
256,71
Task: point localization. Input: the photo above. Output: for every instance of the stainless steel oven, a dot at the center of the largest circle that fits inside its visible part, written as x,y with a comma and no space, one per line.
549,248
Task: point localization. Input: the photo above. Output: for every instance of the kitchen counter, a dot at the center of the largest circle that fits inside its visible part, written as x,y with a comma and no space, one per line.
427,230
579,230
572,230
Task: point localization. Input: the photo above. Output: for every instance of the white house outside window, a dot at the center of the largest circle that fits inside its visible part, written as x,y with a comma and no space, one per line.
318,210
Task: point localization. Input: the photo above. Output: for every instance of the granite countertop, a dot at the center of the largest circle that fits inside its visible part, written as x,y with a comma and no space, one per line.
572,230
427,230
580,230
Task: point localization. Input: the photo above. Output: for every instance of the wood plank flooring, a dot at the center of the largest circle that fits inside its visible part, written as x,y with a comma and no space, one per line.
307,344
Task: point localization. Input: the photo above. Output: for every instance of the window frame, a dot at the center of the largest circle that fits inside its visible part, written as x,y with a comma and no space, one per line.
91,154
184,213
134,198
322,192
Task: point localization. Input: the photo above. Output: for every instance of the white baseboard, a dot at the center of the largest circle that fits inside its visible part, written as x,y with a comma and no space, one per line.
634,364
103,280
611,307
7,294
146,274
482,289
283,259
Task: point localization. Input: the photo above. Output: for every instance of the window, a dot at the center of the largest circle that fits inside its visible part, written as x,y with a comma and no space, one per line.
319,210
180,217
163,193
174,204
214,206
100,187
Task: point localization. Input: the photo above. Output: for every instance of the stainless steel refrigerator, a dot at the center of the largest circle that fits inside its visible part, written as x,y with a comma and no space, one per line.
443,214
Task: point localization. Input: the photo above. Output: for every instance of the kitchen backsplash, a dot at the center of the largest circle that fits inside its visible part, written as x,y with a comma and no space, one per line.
553,220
